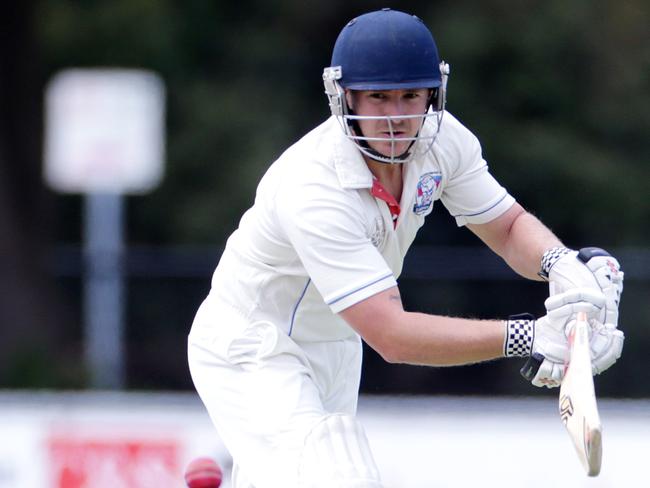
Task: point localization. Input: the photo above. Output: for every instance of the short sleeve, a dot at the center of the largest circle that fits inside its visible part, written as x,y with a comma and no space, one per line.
472,195
326,228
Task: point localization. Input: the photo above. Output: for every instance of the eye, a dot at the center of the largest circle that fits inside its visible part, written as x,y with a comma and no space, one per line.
412,95
377,95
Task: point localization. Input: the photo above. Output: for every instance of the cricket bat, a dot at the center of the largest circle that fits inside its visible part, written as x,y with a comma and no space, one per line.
578,408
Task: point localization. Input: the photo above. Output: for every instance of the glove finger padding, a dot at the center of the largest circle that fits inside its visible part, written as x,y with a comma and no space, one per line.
559,308
609,277
550,375
607,272
606,344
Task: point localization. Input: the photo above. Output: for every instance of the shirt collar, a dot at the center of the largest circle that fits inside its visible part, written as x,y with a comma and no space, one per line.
351,168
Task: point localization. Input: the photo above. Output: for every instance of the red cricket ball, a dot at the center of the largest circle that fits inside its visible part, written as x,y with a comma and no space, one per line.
203,472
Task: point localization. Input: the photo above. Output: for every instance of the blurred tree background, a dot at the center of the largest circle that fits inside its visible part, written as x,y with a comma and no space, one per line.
557,92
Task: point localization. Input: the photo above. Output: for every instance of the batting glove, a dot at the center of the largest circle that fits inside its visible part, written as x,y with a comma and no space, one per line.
545,339
590,267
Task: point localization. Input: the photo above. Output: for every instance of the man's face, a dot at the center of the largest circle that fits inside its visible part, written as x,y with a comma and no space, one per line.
393,103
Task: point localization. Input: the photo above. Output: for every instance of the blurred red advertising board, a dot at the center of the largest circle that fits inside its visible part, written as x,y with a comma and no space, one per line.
115,463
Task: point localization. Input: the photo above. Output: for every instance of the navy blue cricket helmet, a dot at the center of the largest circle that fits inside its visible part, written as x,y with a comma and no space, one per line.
386,50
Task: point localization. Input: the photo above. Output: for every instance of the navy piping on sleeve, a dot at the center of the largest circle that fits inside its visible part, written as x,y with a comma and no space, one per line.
483,211
331,302
295,308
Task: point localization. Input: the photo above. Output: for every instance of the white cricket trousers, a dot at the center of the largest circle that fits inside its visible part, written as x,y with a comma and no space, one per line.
264,392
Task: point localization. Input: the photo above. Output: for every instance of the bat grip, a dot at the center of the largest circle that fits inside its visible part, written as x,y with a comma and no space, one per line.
581,316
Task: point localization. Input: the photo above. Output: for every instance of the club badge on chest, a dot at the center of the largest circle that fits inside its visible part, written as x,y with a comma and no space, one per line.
425,192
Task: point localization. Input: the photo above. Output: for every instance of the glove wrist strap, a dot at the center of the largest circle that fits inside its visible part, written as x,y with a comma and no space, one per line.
520,334
549,258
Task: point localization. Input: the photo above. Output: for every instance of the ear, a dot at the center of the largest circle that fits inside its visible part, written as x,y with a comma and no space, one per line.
348,98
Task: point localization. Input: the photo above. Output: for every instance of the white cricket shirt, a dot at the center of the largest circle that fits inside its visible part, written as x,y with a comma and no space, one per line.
316,241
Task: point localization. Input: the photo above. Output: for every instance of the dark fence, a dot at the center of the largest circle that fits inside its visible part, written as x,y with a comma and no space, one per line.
166,285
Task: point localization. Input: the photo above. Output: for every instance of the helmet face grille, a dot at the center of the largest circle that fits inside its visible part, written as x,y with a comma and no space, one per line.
386,50
420,143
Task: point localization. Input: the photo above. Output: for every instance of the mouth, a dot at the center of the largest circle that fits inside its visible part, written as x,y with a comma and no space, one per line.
396,143
394,133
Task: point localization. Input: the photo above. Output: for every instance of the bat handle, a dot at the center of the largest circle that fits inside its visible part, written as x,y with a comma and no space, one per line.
580,317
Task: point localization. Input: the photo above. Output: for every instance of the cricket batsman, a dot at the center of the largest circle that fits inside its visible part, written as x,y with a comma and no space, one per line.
275,347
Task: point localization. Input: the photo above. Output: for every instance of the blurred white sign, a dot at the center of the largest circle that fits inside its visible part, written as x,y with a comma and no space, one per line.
104,131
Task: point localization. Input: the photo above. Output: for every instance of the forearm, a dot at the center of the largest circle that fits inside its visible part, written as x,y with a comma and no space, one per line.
435,340
527,241
519,238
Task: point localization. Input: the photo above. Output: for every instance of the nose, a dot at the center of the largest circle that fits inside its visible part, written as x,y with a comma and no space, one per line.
394,108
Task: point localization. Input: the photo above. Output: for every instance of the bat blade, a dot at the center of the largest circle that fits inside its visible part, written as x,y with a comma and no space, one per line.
577,403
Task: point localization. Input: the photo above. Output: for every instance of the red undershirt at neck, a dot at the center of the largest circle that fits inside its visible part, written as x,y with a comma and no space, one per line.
378,191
